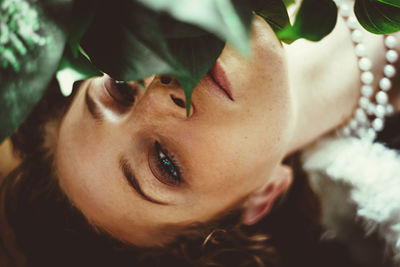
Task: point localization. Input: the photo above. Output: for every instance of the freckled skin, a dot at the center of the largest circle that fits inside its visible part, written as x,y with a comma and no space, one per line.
227,149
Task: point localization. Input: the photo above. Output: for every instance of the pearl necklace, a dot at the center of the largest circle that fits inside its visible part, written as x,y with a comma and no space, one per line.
369,117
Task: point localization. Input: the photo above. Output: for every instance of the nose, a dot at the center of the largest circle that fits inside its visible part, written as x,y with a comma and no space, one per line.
165,95
170,81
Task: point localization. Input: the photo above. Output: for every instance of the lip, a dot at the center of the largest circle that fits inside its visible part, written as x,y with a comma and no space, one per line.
217,81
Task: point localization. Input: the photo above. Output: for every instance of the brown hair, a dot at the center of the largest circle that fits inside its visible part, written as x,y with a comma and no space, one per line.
49,231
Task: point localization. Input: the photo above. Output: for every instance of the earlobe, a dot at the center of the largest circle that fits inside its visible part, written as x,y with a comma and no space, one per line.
261,202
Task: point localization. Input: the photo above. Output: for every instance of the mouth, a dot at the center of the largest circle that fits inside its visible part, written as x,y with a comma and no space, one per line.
216,81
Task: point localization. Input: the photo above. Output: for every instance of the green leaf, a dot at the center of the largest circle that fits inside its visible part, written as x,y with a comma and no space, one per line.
377,17
289,2
220,17
395,3
83,13
197,55
314,20
21,91
274,12
74,68
139,42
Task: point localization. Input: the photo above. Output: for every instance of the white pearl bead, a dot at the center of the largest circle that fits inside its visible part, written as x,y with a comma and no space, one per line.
371,109
362,132
357,36
365,64
380,111
377,124
389,109
367,77
367,90
352,23
346,131
353,124
390,41
345,10
363,102
392,56
360,50
371,134
389,71
385,84
381,98
361,116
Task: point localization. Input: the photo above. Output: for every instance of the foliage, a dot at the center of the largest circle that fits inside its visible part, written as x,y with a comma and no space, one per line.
377,17
132,39
395,3
19,26
309,26
24,80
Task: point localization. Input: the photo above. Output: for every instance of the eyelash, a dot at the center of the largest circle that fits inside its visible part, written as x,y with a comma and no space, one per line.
171,174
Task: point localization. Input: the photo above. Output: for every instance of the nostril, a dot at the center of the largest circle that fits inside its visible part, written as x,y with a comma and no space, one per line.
179,102
165,79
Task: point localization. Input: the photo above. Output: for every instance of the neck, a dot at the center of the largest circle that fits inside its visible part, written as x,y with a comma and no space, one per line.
325,81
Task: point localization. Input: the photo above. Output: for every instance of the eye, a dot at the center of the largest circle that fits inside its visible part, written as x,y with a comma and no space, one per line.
168,171
122,92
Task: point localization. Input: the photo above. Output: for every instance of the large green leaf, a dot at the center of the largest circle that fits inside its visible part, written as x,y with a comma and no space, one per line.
314,20
21,90
391,2
75,64
377,17
83,14
73,68
274,12
219,17
289,2
139,42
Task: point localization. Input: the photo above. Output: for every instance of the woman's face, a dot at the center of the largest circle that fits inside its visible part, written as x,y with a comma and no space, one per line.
136,169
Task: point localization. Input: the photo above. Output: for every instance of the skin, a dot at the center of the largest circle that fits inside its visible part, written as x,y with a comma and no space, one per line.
285,98
226,149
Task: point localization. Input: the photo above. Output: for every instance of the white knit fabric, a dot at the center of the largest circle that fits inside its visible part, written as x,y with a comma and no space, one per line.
370,174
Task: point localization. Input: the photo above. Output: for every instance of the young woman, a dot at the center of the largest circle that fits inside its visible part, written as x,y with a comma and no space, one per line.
121,177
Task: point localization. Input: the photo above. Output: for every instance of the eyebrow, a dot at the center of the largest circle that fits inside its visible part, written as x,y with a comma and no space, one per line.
130,177
93,107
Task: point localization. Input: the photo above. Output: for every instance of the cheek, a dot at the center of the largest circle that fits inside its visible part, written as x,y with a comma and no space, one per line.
273,102
228,162
89,179
84,165
81,168
266,101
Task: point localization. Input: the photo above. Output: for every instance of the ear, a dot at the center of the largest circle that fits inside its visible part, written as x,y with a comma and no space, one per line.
261,202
